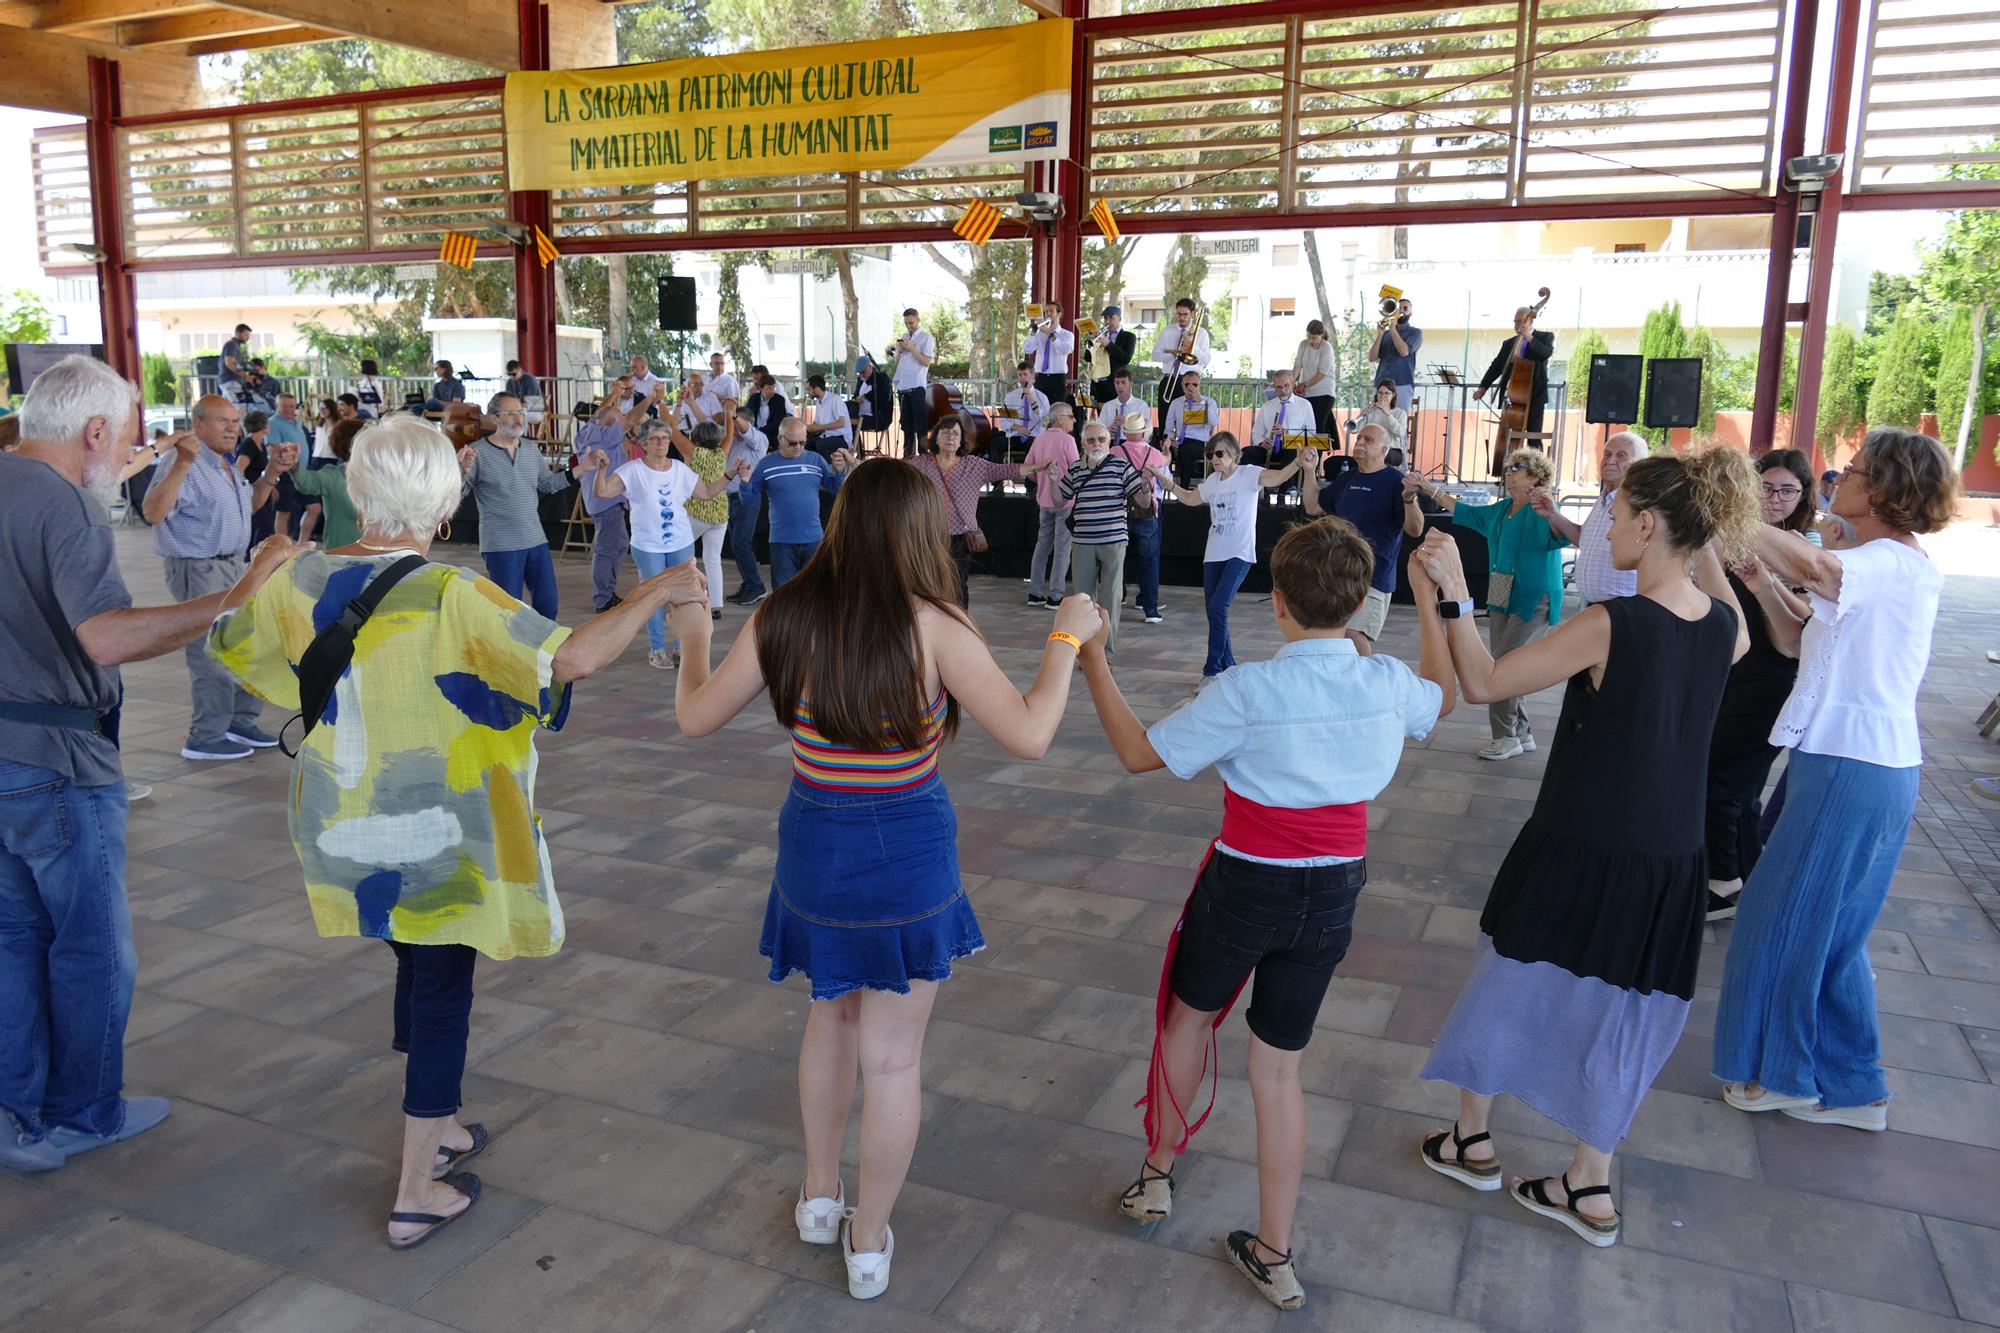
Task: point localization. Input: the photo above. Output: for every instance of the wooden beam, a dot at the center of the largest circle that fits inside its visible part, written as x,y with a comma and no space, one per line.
258,41
1048,9
482,31
207,25
583,34
71,15
50,72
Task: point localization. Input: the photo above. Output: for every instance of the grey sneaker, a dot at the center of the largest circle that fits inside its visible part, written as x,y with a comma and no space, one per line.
137,791
21,1150
219,750
254,737
141,1114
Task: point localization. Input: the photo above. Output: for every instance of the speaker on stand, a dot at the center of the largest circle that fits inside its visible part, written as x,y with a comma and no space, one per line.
1673,391
677,316
1614,390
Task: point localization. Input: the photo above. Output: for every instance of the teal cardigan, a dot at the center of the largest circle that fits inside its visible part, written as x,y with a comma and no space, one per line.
1524,545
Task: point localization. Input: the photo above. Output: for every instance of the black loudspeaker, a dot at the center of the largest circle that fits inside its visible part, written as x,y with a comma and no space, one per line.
1614,390
677,305
1673,391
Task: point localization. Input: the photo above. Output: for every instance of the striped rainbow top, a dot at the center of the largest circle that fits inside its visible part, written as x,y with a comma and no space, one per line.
821,763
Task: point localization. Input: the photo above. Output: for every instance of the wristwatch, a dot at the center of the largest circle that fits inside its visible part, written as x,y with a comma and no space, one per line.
1459,610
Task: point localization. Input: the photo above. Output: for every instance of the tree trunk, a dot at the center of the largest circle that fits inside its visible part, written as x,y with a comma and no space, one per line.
1114,278
565,310
1969,416
843,264
1319,280
616,304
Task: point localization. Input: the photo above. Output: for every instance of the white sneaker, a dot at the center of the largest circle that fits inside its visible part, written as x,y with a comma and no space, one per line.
867,1272
1527,743
1506,747
819,1219
1874,1118
660,659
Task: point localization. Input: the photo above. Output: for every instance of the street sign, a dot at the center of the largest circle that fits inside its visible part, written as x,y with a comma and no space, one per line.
813,268
415,272
1247,245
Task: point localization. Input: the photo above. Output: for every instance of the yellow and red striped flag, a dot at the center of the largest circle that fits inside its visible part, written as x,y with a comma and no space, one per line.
978,222
457,249
545,249
1100,213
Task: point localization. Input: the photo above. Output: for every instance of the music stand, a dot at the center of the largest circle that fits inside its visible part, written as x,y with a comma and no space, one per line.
1451,379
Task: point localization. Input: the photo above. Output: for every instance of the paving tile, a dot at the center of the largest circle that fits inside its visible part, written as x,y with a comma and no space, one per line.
754,1016
1849,1247
1067,1172
1970,1257
1060,956
1020,1073
1042,1277
1895,1169
91,1268
1078,910
362,1106
990,998
937,1233
1928,1047
1985,1044
577,981
608,1062
756,1098
235,1063
1817,1311
275,986
628,1168
192,1166
1375,1244
166,952
1100,1020
1532,1276
1231,1130
1955,1109
295,1304
151,1015
1972,960
495,1023
567,1271
809,1307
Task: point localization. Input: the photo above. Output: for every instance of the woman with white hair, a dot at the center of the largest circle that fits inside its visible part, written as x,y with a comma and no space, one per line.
413,797
1524,576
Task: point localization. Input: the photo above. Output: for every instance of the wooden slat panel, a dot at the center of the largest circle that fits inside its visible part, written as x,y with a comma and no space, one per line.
1930,96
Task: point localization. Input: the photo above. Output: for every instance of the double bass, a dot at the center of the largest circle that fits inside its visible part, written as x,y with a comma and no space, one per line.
974,427
1516,397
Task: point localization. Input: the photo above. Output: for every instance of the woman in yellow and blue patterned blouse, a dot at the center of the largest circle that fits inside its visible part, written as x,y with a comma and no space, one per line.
412,801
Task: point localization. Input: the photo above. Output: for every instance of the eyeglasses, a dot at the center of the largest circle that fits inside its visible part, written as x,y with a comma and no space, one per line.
1218,453
1782,492
1519,467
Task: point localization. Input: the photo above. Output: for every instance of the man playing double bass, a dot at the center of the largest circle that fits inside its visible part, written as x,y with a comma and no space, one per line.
1525,345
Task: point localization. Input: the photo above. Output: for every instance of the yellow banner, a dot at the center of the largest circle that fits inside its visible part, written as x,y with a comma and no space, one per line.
992,95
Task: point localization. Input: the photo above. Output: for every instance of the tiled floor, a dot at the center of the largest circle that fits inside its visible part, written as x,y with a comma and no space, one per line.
641,1083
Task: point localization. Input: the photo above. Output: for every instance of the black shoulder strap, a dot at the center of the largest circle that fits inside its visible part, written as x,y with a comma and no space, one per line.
327,657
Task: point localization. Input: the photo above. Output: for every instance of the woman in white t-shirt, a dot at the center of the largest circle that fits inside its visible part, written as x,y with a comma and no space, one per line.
1233,495
657,486
1313,374
1796,1029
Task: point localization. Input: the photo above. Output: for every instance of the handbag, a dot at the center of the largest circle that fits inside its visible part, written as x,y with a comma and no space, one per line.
326,658
1499,590
975,540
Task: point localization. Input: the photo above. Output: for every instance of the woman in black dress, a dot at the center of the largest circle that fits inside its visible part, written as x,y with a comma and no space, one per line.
1586,957
1740,753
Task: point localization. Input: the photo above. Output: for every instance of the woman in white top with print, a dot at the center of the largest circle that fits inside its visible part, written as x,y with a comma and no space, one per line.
1796,1029
1233,495
657,486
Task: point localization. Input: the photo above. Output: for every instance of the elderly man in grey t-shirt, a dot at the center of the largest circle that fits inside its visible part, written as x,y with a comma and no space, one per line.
66,623
509,476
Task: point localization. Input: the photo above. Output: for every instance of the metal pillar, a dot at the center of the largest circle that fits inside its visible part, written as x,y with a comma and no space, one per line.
534,282
1784,234
117,292
1826,223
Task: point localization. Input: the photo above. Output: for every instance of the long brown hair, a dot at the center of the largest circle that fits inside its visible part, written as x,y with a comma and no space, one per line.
843,630
1800,520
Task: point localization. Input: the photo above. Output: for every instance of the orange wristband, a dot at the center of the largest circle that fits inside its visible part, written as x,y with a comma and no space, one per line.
1056,636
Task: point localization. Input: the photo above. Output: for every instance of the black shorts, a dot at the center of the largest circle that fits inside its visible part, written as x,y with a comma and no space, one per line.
1290,925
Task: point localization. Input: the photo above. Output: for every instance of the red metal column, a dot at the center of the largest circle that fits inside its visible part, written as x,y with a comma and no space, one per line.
1784,233
117,292
534,282
1826,223
1066,178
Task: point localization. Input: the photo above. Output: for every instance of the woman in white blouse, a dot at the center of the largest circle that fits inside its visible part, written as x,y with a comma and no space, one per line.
1312,375
1796,1029
1382,412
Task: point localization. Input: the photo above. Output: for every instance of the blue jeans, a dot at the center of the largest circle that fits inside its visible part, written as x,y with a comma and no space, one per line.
1144,552
651,563
742,540
788,558
530,568
66,958
433,1019
1797,1013
1219,581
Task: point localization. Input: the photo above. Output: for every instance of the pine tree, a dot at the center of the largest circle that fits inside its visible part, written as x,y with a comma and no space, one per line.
1839,389
1902,387
1663,335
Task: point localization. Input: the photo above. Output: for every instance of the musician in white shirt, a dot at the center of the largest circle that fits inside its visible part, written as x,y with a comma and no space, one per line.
1166,350
1114,411
1283,415
1027,407
915,351
698,404
723,384
831,428
1191,419
1047,351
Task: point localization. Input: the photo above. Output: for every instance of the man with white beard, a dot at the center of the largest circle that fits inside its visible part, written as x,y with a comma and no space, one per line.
66,623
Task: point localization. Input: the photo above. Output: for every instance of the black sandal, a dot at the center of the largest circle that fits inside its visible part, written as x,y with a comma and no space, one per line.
449,1159
1533,1195
1481,1176
465,1183
1273,1278
1145,1203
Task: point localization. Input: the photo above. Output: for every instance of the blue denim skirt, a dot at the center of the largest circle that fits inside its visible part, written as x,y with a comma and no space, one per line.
867,893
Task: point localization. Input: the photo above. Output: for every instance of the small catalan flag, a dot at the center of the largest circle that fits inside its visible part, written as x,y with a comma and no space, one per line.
457,249
545,249
978,222
1100,213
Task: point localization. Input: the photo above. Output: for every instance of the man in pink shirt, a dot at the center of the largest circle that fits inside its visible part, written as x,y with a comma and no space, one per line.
1143,563
1051,455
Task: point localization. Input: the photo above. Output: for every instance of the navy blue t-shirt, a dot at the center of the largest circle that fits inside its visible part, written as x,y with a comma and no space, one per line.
1399,369
1373,503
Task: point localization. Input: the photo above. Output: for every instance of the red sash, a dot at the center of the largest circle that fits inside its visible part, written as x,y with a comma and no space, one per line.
1257,830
